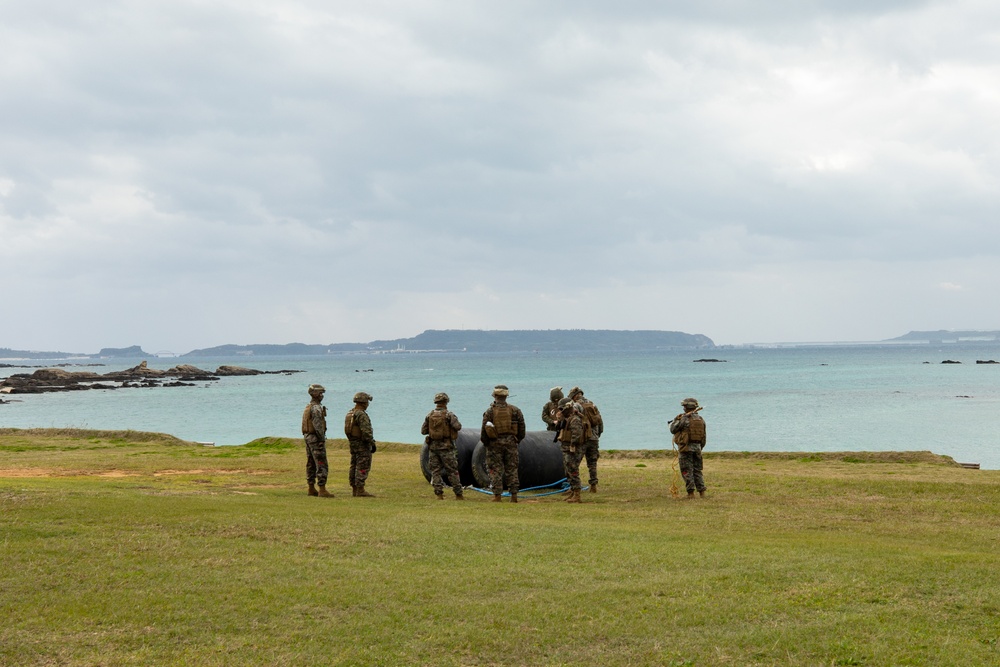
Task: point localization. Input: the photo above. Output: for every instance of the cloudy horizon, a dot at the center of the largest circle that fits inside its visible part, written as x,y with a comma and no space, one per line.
181,175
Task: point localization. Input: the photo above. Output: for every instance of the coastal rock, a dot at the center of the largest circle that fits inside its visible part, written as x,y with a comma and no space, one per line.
950,361
709,361
142,370
236,370
186,369
990,361
56,379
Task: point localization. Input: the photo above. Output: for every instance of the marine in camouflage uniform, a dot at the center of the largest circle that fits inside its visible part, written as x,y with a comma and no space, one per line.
314,432
502,430
358,429
571,441
689,436
592,447
441,427
550,411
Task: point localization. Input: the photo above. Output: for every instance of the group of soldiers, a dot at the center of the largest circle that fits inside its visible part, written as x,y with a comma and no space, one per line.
578,425
357,429
575,420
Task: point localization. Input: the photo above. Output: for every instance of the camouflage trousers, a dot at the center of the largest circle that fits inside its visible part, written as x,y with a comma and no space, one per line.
361,463
317,468
501,464
443,462
690,465
571,462
592,452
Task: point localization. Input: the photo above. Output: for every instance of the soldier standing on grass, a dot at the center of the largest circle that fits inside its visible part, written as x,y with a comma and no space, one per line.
441,427
314,432
571,439
689,436
358,429
503,428
591,449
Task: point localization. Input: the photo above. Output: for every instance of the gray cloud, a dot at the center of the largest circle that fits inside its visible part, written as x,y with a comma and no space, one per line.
349,171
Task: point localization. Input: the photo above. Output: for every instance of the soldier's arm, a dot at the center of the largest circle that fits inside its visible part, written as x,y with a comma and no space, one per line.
316,414
425,429
365,424
520,425
576,430
678,424
453,420
483,437
547,416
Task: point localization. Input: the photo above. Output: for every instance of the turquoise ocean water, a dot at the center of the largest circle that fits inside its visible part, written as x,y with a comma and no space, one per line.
807,398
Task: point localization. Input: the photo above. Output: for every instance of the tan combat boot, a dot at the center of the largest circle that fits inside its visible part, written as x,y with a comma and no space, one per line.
440,496
593,487
496,497
459,496
361,493
575,497
690,495
312,489
513,496
323,493
701,493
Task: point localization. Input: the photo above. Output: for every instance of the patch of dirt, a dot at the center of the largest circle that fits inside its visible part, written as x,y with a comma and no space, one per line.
26,472
56,472
51,472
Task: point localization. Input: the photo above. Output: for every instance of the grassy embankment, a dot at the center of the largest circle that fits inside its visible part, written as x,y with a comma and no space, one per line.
137,549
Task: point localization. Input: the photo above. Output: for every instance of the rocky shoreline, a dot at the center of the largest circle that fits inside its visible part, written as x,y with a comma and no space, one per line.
57,379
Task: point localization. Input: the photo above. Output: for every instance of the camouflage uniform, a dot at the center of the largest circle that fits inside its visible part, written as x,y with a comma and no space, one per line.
592,447
501,449
314,432
571,442
690,437
550,412
442,454
361,441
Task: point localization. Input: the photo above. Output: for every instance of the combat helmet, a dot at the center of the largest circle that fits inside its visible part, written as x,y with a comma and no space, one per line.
315,389
555,393
441,397
574,392
362,397
689,402
501,390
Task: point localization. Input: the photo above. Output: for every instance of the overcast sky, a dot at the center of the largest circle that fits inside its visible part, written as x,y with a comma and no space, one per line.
178,174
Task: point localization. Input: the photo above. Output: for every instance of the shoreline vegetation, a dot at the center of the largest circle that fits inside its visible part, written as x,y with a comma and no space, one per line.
135,548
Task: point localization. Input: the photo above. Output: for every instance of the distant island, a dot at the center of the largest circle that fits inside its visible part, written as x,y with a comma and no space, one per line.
478,340
447,340
944,336
460,340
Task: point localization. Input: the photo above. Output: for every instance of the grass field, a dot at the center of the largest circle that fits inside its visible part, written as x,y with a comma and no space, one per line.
126,548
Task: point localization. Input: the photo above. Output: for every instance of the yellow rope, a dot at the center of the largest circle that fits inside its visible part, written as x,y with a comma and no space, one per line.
675,489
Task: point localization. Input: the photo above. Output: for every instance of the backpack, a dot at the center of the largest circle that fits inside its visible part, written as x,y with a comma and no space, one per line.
439,426
351,430
502,419
592,415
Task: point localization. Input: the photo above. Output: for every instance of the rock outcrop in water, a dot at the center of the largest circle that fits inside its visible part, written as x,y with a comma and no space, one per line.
58,379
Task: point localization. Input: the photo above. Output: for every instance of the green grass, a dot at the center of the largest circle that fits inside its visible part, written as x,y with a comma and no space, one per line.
124,548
